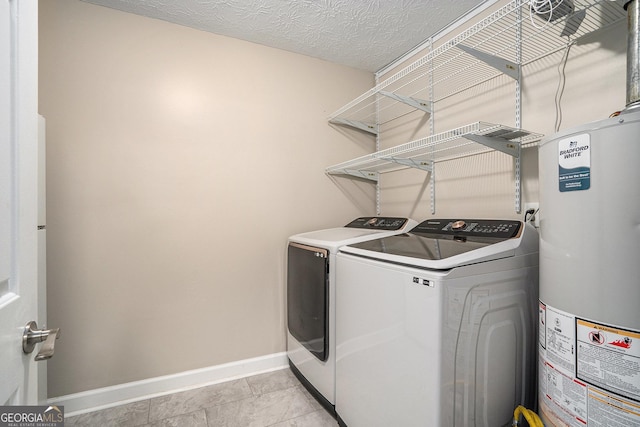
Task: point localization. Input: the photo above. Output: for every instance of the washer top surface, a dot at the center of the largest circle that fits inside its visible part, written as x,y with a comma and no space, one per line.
447,243
359,230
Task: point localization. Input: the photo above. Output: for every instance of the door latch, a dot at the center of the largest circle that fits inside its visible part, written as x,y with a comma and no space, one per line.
32,335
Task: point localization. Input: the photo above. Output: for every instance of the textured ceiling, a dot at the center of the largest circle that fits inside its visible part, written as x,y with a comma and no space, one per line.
364,34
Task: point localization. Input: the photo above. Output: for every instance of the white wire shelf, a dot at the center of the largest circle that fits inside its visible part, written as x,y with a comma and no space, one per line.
499,44
471,139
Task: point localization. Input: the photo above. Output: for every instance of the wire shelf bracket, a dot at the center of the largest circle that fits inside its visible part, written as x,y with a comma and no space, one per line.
416,103
367,127
506,146
368,175
505,66
425,165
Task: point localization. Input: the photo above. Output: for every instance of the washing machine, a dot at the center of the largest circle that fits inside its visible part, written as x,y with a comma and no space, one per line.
437,327
311,290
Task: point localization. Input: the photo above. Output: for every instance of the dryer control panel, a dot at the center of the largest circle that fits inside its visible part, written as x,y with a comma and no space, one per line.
502,229
378,223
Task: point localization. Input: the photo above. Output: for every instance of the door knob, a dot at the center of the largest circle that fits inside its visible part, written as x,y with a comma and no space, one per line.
32,335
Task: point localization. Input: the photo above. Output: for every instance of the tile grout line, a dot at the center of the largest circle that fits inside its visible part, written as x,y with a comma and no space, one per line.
149,412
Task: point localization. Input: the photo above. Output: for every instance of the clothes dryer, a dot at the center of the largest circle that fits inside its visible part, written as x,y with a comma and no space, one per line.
311,290
437,327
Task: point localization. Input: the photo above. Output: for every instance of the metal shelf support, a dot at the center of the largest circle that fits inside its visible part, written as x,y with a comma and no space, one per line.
505,66
419,104
368,175
367,127
500,144
425,165
517,175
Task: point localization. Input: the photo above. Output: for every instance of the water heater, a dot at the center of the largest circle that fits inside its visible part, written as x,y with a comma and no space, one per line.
589,308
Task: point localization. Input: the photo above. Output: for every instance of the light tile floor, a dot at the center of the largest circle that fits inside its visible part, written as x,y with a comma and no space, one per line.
275,399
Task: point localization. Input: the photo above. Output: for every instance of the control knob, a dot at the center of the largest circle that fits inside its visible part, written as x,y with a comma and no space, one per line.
458,225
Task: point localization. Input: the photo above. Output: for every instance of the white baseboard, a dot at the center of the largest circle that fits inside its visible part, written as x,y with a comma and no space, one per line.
101,398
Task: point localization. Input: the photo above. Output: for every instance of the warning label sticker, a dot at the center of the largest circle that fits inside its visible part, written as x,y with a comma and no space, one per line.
609,358
560,336
568,392
574,163
600,386
605,409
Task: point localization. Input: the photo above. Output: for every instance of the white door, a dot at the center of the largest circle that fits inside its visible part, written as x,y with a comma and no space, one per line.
18,196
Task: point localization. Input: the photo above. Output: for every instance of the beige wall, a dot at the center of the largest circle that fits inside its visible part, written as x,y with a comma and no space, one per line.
178,163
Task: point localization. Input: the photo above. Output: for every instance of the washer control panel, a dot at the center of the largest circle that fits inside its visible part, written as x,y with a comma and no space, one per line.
502,229
378,223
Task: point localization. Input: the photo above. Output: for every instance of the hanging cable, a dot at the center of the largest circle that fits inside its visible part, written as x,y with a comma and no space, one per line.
541,8
561,85
549,10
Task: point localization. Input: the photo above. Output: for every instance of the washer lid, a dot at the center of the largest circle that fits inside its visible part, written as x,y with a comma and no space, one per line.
445,243
358,230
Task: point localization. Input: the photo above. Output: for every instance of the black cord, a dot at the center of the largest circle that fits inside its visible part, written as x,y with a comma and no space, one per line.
531,212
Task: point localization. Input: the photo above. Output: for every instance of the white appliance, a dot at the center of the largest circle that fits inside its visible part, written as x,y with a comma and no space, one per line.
311,290
589,346
437,327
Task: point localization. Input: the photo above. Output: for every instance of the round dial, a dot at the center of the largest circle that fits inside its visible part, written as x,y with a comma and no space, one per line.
458,225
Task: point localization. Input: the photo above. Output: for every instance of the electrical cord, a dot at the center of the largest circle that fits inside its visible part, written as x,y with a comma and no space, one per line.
532,418
561,85
533,213
541,8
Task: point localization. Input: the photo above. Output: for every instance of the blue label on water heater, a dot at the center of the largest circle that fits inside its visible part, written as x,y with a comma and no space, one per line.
574,163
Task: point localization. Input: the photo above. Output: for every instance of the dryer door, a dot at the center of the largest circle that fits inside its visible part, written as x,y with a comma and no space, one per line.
308,297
